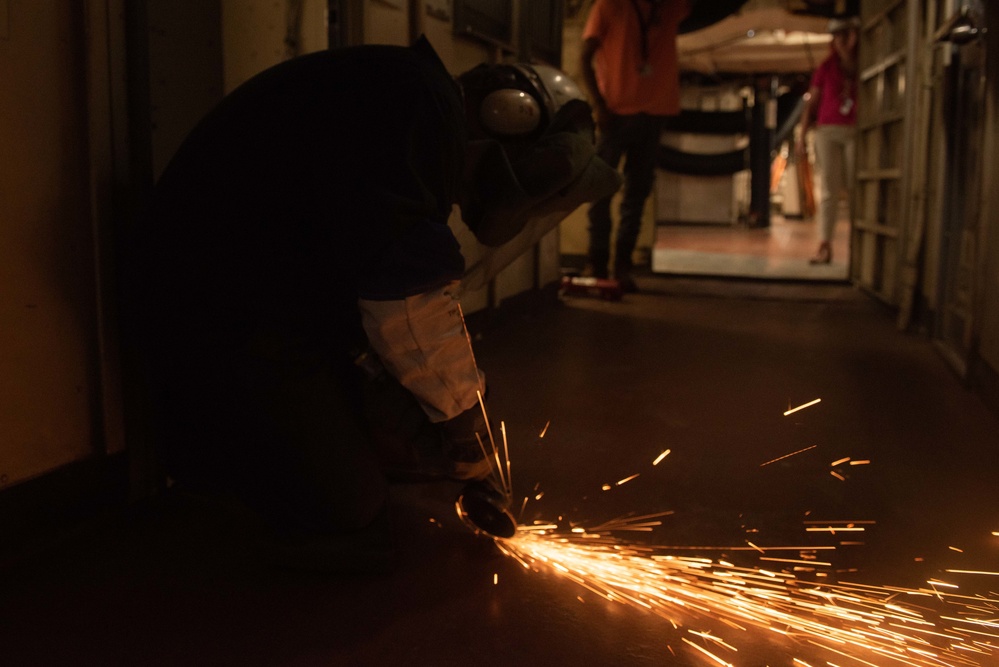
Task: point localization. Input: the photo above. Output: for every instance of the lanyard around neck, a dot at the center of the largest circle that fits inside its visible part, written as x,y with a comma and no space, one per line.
643,26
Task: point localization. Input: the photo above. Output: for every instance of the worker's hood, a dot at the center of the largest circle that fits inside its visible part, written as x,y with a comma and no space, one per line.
514,196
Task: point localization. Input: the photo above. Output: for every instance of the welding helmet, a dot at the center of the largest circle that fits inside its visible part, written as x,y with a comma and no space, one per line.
531,160
514,101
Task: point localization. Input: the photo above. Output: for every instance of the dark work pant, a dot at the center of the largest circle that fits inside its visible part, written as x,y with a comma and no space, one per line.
636,139
281,430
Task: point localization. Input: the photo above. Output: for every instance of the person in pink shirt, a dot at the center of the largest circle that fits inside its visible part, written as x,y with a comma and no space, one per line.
832,107
630,70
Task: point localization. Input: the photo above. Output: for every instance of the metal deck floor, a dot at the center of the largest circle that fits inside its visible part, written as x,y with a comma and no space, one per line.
704,369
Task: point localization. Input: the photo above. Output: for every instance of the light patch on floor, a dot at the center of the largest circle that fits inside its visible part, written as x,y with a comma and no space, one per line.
780,251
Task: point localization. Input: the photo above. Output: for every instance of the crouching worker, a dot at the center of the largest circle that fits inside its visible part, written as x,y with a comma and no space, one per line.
299,286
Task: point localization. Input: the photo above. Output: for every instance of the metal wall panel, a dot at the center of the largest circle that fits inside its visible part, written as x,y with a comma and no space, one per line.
963,234
883,147
51,411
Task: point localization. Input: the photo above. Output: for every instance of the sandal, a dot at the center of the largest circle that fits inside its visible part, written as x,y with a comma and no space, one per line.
824,256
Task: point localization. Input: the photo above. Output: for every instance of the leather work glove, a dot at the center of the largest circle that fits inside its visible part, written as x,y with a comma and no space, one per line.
408,446
397,424
460,437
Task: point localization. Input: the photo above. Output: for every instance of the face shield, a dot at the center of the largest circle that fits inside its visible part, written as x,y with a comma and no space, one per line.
531,161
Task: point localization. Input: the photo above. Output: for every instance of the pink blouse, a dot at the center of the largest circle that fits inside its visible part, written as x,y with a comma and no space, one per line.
837,94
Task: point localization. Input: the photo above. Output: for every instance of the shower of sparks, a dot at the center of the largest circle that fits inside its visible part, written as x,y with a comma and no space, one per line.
608,487
545,429
660,458
707,653
868,625
875,626
834,529
491,452
802,407
787,456
849,523
792,560
500,473
640,523
626,479
506,455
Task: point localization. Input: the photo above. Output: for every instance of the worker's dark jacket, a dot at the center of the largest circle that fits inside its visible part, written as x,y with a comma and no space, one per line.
323,179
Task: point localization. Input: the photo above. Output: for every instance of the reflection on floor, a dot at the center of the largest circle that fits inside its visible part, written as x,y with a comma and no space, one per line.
780,251
703,368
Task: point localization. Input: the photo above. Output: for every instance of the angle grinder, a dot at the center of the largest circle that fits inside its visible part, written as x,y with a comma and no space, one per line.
486,511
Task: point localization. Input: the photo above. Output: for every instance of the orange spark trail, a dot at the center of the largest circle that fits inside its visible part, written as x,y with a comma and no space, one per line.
781,458
876,626
872,625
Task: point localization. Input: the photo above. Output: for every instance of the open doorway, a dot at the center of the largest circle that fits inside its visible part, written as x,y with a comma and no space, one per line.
732,198
750,63
780,251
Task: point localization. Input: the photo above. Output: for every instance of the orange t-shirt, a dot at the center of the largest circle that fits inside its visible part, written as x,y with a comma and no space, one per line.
629,83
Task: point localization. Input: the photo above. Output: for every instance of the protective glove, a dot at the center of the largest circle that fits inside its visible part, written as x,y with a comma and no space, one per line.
466,445
399,428
408,446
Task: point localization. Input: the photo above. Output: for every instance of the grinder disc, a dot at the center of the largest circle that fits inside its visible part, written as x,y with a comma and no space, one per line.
484,511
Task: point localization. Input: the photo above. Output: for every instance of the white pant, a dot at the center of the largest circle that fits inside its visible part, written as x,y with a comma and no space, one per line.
834,153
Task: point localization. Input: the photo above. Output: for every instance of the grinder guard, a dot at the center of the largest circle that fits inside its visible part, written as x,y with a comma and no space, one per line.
483,509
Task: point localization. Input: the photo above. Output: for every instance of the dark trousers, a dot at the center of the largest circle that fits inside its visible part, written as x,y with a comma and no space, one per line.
281,429
636,139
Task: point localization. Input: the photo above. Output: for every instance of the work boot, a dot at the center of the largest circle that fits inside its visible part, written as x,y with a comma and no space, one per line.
625,280
628,284
592,270
824,255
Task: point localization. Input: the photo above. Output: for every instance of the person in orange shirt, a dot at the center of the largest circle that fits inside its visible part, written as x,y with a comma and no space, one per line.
630,70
